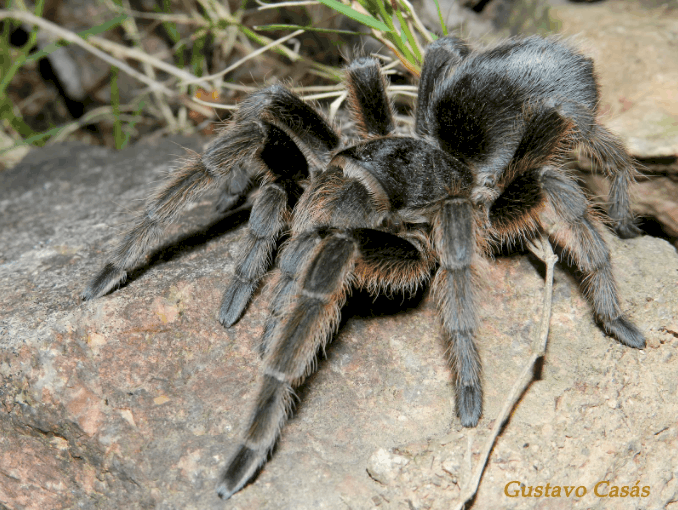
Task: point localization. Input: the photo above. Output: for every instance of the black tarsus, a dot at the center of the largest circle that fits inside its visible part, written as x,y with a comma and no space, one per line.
274,203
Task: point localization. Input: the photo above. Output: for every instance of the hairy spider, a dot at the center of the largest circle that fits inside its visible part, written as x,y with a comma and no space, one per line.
391,212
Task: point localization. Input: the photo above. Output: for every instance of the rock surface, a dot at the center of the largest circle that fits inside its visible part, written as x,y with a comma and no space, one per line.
135,400
635,48
634,44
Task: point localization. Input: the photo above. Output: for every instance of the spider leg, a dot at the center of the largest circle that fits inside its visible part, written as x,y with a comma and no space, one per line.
294,256
367,98
235,192
270,213
331,199
440,55
188,183
576,230
305,323
274,107
608,153
266,222
301,332
453,288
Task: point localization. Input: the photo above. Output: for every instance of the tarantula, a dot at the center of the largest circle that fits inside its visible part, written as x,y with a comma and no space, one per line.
390,213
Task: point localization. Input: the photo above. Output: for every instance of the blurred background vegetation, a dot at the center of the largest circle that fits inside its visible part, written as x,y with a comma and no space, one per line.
112,72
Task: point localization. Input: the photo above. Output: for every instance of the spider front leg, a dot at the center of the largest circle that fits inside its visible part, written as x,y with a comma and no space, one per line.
231,159
575,229
441,54
454,289
366,256
292,259
301,332
270,213
367,97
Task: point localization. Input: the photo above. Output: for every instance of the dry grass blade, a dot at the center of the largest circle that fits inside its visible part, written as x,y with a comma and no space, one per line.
246,58
264,5
73,38
544,251
140,56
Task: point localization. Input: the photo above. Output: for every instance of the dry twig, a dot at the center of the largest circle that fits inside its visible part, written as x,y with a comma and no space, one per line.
543,250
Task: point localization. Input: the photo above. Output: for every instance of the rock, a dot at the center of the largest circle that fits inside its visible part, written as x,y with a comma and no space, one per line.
634,47
135,400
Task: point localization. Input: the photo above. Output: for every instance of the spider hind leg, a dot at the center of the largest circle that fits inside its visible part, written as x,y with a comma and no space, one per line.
231,160
186,184
609,154
608,151
575,229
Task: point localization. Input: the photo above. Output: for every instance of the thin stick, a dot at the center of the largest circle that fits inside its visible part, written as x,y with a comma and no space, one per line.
130,26
545,253
174,18
336,104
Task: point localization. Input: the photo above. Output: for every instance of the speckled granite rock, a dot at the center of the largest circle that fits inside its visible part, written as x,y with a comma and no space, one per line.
135,400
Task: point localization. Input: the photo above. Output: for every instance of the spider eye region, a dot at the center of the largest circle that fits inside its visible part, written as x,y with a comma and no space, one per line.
410,172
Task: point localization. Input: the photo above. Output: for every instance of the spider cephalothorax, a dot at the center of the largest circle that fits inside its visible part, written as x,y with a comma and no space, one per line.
392,212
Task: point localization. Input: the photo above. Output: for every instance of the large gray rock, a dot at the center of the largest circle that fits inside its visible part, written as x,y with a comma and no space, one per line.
136,399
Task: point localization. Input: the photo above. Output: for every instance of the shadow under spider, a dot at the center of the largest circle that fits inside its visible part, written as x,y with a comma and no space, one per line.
360,304
190,242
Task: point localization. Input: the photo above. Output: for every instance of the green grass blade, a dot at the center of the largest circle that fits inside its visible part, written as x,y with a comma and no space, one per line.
408,36
37,139
7,113
355,15
100,29
198,55
115,104
32,39
132,124
440,15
